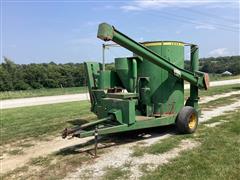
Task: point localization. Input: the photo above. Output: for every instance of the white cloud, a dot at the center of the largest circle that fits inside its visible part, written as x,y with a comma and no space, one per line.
205,26
144,5
219,52
139,5
131,8
224,5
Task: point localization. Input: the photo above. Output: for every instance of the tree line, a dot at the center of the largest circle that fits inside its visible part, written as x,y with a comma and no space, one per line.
51,75
218,65
35,76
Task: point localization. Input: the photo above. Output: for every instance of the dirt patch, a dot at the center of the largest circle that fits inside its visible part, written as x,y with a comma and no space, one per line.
114,157
207,99
215,123
206,115
39,149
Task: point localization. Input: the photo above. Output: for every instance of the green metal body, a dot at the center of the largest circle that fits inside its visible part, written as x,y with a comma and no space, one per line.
161,92
146,90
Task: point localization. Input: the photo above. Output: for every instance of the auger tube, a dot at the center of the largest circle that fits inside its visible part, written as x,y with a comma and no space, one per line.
107,32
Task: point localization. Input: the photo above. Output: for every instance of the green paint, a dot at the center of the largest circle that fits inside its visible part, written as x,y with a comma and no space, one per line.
149,123
154,81
193,99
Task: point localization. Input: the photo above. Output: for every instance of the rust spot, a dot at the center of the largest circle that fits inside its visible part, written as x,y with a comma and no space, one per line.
206,81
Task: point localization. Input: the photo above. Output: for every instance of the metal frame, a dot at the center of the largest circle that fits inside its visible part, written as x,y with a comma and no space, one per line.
142,124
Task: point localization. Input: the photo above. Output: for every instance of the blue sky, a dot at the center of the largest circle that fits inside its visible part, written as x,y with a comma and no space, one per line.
65,31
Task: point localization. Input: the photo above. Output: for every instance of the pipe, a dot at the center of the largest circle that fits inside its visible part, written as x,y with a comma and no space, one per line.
193,99
134,73
103,57
107,32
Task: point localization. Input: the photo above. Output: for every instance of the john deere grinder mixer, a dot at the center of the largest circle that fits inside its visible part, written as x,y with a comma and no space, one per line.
143,91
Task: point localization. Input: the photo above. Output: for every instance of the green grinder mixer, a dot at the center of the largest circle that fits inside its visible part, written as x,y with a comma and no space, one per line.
142,91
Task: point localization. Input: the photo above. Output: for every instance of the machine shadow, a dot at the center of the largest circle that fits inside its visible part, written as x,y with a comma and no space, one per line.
78,121
111,140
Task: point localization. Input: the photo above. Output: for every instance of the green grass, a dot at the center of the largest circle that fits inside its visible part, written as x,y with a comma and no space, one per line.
41,161
42,92
113,173
15,152
40,121
218,157
26,145
216,90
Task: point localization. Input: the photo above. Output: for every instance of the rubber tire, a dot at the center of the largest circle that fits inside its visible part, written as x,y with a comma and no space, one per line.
183,119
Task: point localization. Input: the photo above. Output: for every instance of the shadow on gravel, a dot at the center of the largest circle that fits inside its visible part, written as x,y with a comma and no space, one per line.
117,139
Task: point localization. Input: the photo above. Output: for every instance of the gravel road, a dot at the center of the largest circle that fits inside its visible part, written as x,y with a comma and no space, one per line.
13,103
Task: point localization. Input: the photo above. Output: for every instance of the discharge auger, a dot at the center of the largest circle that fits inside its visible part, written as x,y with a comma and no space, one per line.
143,91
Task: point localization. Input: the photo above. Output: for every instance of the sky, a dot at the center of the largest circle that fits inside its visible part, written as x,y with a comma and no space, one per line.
66,31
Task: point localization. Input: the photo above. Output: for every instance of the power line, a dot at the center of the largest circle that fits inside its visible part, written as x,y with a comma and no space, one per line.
190,21
212,23
210,15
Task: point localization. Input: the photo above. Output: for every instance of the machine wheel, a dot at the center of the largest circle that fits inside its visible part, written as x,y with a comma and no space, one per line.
187,120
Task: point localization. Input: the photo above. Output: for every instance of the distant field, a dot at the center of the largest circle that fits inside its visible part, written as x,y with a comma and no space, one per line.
217,77
42,92
75,90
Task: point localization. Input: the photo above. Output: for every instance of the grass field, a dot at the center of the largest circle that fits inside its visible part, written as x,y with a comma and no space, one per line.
42,92
218,77
216,90
40,121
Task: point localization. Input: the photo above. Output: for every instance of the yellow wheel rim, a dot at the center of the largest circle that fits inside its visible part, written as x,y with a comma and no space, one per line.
192,122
